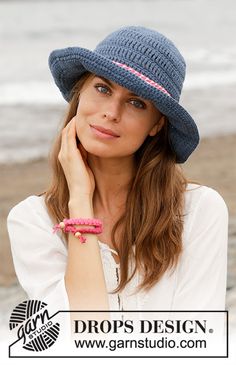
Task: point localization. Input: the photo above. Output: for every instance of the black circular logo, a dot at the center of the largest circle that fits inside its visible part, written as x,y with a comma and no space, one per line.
34,326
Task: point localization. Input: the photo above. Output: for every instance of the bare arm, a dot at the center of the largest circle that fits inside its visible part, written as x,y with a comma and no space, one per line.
84,276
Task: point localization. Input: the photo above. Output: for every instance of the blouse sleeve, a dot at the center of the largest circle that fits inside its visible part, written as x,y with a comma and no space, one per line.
202,272
39,256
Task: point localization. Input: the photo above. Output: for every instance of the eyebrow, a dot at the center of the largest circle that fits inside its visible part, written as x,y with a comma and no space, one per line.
112,86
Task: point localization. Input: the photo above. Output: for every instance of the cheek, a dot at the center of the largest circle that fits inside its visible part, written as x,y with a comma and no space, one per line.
133,139
80,126
79,123
83,114
88,104
138,131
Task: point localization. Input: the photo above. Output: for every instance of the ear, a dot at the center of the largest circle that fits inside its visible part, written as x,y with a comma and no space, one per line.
157,127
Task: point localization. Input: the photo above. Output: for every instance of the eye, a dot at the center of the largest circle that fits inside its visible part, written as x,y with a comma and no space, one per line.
139,104
103,89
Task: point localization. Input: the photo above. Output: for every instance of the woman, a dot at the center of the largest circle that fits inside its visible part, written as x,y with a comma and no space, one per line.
163,241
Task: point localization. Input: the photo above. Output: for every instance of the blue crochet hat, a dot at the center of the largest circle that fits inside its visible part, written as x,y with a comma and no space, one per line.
143,61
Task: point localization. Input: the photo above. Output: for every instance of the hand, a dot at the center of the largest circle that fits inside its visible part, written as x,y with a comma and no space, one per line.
73,160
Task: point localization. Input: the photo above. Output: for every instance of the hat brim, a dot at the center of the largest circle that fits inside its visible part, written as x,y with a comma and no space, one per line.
67,65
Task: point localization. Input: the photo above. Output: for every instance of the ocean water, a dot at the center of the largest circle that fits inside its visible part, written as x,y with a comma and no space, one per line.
32,107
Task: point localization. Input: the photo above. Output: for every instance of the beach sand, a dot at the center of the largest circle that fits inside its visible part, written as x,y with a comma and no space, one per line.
212,164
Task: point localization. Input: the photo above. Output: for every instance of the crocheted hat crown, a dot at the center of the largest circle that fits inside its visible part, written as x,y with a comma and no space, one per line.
148,52
143,61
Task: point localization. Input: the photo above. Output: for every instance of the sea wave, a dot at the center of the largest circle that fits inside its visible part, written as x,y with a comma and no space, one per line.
45,93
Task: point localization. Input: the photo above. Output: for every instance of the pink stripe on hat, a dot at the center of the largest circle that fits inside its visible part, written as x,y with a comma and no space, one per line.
143,77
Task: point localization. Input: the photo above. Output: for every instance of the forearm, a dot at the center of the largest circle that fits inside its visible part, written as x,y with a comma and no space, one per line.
84,277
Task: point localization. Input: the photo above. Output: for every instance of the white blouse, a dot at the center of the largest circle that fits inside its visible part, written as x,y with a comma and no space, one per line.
197,283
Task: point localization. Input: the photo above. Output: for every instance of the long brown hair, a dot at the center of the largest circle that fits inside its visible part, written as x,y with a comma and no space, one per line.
152,225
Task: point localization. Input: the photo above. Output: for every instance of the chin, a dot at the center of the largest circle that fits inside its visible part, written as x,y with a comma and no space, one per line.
99,151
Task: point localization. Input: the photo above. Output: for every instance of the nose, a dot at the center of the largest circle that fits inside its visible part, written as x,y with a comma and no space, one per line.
112,112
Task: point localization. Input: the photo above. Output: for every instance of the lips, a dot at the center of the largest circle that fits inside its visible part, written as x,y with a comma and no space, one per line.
104,130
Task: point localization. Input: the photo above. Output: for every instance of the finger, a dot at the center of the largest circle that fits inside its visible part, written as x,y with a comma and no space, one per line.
70,128
69,150
63,147
63,153
68,134
72,139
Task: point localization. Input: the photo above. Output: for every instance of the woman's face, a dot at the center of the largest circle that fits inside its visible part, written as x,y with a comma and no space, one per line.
106,105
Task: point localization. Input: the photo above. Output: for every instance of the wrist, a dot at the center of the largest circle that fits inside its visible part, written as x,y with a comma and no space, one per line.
77,196
81,206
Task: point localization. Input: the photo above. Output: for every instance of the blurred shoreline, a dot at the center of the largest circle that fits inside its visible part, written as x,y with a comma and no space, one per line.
27,130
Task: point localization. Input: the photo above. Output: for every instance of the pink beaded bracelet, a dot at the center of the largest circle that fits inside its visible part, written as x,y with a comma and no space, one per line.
68,225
